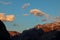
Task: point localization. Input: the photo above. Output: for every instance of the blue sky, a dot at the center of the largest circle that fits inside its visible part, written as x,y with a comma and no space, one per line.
51,7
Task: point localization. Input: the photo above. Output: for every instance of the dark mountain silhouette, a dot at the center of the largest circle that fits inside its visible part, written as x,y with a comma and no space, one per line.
32,34
50,31
39,34
4,35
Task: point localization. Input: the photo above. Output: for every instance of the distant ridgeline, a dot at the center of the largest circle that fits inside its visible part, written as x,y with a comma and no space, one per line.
49,26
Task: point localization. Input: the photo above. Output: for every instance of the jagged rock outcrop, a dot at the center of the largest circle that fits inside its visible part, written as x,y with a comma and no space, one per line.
14,33
49,26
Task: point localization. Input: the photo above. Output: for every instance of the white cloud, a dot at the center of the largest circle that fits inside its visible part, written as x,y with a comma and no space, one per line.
4,17
39,13
16,24
9,17
47,16
56,19
44,20
26,14
5,3
25,5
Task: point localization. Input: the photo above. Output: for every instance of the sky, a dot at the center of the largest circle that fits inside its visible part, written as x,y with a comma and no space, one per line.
23,18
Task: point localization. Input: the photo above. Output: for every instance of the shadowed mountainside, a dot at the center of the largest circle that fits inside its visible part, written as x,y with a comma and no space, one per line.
4,35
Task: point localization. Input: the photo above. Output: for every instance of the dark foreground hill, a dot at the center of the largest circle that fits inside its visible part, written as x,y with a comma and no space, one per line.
4,35
34,34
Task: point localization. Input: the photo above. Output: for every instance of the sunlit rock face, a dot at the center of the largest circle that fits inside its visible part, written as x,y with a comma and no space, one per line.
49,27
38,26
13,33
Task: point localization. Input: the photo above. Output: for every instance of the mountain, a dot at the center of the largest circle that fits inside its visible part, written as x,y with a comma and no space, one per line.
49,26
49,31
14,33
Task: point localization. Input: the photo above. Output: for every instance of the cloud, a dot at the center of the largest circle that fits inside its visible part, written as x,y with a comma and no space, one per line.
47,16
25,5
26,14
27,28
44,20
16,24
5,3
37,12
4,17
9,17
56,19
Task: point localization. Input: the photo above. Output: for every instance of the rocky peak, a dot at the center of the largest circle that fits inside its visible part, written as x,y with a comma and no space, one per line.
13,33
49,26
